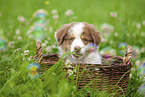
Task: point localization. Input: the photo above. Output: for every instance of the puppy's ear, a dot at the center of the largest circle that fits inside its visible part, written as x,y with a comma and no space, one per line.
60,34
96,35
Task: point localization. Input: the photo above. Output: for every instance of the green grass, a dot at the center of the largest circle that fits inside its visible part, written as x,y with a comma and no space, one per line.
14,80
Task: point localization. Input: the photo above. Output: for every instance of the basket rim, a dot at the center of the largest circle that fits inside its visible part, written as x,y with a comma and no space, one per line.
86,65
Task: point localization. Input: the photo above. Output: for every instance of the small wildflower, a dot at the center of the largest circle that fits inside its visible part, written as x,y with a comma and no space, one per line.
21,19
29,58
48,49
17,49
19,38
11,44
68,64
53,46
70,72
26,51
9,69
69,12
46,41
116,34
17,31
23,59
104,40
26,54
55,17
47,2
143,22
130,76
51,29
43,44
138,25
113,14
137,62
107,28
54,11
53,73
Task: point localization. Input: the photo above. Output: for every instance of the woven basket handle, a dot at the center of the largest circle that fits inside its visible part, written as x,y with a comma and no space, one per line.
39,54
127,56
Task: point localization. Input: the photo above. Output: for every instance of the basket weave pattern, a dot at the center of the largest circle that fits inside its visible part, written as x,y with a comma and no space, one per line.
106,76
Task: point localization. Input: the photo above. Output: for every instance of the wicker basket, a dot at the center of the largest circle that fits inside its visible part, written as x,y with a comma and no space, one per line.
109,76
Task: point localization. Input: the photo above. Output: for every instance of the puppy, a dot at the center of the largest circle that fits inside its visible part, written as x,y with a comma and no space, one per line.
75,37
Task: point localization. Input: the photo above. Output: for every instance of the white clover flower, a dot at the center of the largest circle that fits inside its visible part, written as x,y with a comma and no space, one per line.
53,46
70,72
107,28
17,31
69,12
137,62
54,11
43,44
104,40
113,14
46,41
130,76
143,22
51,29
111,41
26,51
21,19
11,44
138,25
17,49
29,58
116,34
55,17
53,73
26,54
68,64
19,38
48,49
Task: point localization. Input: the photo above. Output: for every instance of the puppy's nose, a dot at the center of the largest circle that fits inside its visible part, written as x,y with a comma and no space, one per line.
77,48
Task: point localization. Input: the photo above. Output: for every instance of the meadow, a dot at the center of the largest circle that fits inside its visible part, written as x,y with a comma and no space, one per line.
125,21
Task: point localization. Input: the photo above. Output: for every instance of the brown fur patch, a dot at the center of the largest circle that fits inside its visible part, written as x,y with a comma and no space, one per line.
92,34
63,37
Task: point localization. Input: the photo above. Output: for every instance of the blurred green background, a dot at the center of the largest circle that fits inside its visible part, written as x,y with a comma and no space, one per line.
129,27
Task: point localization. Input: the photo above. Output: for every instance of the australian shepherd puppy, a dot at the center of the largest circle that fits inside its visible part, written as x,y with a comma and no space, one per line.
76,37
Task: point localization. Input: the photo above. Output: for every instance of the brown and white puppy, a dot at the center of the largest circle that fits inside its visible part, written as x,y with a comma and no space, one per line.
75,37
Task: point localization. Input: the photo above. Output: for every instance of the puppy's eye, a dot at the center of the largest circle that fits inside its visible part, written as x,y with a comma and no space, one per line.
84,39
71,39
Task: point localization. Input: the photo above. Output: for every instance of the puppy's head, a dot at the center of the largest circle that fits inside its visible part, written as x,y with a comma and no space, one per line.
75,36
